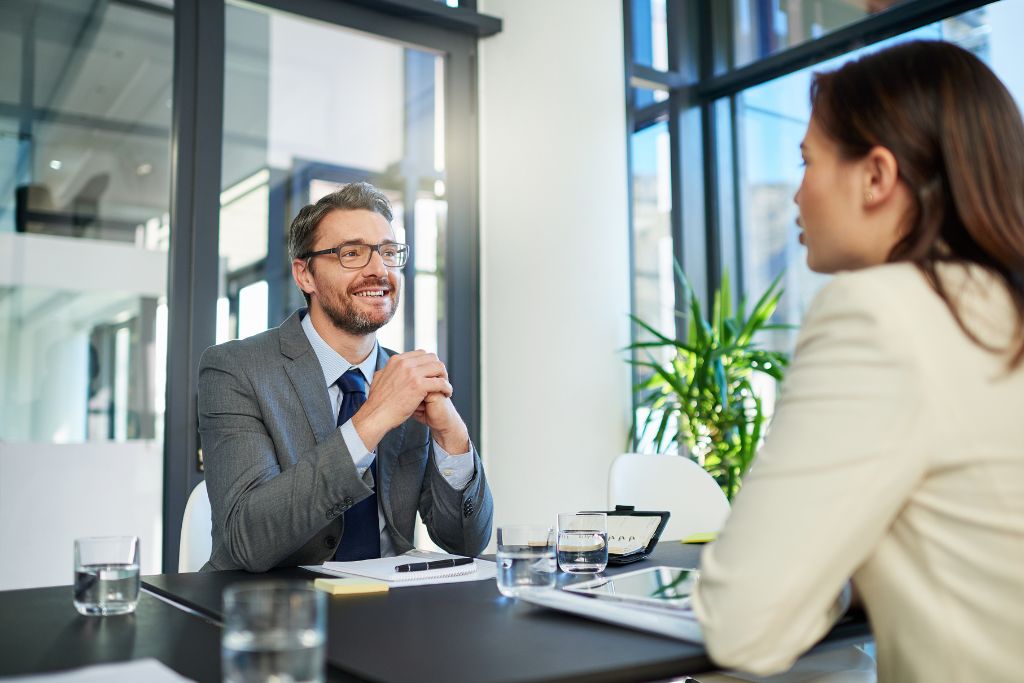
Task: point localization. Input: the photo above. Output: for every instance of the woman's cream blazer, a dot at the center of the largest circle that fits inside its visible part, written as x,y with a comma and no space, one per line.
895,457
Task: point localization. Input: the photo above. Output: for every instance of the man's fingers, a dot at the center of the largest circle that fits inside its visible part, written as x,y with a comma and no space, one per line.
421,362
437,385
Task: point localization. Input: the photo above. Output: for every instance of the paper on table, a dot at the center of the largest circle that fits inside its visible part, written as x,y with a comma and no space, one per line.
383,568
149,670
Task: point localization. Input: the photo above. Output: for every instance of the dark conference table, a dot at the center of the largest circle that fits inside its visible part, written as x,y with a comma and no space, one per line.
448,632
40,631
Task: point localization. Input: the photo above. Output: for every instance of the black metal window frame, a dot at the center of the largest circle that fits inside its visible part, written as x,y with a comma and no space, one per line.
705,221
198,108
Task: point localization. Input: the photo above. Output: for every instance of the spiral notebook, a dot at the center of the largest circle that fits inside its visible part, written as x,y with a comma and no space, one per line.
383,569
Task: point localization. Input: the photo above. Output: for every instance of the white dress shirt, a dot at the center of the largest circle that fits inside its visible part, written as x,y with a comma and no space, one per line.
458,469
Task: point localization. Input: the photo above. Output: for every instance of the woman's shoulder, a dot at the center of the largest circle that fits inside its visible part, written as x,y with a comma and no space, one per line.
894,278
901,295
906,284
874,290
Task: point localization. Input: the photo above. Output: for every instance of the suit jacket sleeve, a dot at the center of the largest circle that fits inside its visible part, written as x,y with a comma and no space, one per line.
834,472
457,520
264,512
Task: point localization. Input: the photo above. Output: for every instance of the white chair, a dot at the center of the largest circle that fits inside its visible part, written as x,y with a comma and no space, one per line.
196,530
669,483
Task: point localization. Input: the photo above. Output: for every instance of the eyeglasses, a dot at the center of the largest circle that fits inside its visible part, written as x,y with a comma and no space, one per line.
356,256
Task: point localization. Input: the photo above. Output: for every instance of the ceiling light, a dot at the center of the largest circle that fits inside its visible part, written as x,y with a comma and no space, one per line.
55,164
144,169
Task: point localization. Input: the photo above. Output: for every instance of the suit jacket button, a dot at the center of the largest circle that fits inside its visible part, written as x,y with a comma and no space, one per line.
331,512
468,508
348,502
330,541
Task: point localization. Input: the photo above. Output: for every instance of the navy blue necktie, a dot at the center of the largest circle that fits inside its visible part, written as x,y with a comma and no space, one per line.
361,538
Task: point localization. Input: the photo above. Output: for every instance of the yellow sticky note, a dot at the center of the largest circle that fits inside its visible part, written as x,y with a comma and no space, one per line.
345,585
699,538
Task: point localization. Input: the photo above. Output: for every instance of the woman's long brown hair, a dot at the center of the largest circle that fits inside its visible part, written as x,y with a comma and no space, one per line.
958,140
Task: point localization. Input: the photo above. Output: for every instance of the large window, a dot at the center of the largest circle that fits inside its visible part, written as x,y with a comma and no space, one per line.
741,80
85,165
85,108
308,107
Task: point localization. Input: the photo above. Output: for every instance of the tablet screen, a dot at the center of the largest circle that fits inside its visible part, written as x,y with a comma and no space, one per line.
666,586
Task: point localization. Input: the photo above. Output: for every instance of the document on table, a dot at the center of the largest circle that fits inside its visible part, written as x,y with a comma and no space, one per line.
383,569
149,670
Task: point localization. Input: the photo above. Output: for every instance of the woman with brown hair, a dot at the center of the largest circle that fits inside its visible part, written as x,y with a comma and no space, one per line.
896,455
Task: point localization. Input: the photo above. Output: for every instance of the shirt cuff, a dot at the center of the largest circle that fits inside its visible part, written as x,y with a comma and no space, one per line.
457,470
362,457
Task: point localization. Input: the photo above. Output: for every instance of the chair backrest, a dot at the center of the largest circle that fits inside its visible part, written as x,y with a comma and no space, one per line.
672,483
196,531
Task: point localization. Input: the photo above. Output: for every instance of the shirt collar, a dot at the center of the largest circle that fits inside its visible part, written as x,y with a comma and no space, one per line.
333,363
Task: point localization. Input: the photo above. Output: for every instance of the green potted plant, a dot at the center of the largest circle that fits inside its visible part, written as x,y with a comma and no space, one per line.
701,398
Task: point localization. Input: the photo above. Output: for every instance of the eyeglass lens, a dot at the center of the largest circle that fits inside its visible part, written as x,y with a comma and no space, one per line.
358,255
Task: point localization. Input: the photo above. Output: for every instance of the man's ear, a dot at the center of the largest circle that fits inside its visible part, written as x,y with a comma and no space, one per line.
881,175
302,273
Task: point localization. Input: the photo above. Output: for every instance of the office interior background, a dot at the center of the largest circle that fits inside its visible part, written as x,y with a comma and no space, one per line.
548,161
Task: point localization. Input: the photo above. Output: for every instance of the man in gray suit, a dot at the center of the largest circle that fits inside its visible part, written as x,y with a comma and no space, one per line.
303,464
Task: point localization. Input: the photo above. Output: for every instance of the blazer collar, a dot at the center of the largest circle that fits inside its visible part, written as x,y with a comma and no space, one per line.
307,377
293,339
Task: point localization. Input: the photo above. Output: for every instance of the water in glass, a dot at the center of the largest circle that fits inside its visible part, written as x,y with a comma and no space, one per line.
106,588
282,655
525,567
583,551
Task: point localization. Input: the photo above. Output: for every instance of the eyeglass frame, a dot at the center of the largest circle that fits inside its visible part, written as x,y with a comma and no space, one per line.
403,249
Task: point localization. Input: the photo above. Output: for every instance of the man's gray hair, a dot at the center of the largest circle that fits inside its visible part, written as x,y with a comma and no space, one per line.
302,233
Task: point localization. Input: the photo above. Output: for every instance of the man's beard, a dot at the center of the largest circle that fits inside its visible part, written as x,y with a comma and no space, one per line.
347,319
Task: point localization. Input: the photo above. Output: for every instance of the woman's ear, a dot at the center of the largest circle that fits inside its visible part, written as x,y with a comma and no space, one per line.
881,175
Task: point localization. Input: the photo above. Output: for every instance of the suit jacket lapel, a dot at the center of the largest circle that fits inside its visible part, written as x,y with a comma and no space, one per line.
387,453
307,377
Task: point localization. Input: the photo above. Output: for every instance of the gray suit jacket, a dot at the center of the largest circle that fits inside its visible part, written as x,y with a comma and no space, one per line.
280,476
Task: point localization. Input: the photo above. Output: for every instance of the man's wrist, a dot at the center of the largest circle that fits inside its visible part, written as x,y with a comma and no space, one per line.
453,441
369,429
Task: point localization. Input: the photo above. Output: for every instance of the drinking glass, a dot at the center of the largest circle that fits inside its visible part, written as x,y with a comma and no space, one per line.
273,631
582,542
106,575
526,558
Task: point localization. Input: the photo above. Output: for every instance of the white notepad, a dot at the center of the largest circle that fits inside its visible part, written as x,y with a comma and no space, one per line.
383,569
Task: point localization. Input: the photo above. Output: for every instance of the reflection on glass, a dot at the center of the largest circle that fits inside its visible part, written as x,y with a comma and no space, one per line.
309,107
653,270
650,37
652,238
643,97
764,28
85,113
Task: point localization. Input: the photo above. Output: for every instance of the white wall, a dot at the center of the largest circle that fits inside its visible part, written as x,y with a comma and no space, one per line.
554,255
52,494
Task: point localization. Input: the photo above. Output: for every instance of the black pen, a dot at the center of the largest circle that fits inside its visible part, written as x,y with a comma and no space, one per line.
435,564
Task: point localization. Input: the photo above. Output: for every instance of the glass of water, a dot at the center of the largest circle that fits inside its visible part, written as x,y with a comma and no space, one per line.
582,542
274,631
526,558
106,575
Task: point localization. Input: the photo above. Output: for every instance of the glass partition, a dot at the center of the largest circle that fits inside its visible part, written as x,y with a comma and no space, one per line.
308,107
85,110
